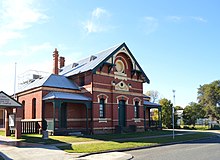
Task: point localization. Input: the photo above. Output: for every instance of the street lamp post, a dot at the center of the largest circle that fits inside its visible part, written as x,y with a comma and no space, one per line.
173,112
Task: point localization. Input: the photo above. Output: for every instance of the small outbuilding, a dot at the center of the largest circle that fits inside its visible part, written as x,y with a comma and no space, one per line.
12,109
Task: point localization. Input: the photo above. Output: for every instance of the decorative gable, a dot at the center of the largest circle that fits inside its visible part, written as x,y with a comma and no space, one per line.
122,86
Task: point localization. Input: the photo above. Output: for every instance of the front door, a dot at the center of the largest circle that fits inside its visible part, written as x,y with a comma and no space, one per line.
122,113
63,115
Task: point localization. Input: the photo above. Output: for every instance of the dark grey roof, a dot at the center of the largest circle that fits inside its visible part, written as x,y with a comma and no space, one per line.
8,102
95,61
87,64
64,95
150,104
52,80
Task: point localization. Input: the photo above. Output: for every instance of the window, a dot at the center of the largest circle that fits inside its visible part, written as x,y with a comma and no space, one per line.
136,110
23,105
34,108
81,80
102,108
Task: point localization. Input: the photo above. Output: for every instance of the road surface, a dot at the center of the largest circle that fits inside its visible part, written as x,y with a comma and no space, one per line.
208,149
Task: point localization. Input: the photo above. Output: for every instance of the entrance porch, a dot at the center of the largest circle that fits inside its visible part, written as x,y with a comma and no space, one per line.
67,113
149,121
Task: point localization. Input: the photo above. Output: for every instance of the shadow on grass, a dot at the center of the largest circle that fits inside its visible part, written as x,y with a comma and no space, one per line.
141,140
115,137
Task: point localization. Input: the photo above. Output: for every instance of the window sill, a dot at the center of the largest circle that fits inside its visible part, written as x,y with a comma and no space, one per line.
102,120
136,120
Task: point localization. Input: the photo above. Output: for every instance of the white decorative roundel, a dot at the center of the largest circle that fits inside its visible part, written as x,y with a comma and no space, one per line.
120,67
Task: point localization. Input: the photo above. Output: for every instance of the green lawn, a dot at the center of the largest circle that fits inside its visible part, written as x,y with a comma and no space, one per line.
110,141
37,138
196,127
111,145
2,133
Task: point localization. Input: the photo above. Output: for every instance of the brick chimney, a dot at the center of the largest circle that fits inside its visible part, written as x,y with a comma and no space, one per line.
55,62
62,62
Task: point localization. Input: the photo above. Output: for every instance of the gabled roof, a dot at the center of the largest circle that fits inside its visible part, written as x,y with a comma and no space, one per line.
87,64
95,61
7,102
52,80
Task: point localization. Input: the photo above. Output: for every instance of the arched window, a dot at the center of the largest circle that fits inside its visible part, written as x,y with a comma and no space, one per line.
102,108
136,109
23,105
34,108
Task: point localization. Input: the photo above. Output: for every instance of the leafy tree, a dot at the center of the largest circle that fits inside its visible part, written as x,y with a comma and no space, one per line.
192,112
155,115
209,97
153,94
166,112
178,108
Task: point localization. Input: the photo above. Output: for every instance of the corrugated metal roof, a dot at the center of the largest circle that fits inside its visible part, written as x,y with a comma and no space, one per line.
52,80
64,95
87,64
147,103
94,61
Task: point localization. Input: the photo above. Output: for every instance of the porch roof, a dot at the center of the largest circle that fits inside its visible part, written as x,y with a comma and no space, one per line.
67,96
151,105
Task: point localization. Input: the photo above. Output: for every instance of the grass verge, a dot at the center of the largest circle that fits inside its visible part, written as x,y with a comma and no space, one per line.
113,145
111,141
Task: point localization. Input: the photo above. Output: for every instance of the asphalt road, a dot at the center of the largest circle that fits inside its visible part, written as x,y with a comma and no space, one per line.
208,149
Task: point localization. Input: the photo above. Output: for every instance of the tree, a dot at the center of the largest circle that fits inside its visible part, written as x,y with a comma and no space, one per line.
192,112
153,94
166,112
209,97
155,115
178,108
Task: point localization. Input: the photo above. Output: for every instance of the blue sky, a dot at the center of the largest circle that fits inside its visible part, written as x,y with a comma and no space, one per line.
175,41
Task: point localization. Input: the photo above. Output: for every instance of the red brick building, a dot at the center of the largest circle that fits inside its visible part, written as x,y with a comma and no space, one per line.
99,94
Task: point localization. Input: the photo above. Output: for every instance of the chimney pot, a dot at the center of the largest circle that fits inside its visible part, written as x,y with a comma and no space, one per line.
62,62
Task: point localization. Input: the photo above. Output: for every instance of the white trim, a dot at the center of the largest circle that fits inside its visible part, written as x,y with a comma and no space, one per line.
103,120
137,120
139,100
126,99
105,97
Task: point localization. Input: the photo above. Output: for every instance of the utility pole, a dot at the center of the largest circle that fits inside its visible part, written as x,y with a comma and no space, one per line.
173,112
15,81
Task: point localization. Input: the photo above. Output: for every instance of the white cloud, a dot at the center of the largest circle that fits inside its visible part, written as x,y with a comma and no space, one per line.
28,50
98,12
97,21
199,19
174,18
15,16
150,24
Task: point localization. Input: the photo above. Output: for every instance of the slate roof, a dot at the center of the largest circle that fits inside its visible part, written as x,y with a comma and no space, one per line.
64,95
95,61
150,104
51,80
87,64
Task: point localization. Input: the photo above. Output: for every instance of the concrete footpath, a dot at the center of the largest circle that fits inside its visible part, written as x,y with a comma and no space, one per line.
11,149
